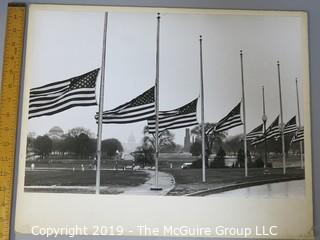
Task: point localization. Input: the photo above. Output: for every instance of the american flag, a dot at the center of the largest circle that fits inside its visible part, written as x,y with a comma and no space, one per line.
138,109
299,136
255,133
290,127
182,117
272,131
62,95
233,119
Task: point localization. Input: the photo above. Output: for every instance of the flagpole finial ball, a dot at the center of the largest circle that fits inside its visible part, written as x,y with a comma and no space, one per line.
240,51
264,118
278,63
158,15
200,37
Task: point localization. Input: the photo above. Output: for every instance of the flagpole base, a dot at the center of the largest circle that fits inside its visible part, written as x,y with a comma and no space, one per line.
156,188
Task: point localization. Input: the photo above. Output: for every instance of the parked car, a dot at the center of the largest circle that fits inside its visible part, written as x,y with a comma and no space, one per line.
186,165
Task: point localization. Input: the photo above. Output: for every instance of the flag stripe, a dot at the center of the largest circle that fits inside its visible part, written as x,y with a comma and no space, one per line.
66,101
136,114
176,127
231,124
48,92
299,136
173,119
63,108
143,117
89,96
128,110
138,109
48,96
169,119
78,92
176,121
231,120
50,85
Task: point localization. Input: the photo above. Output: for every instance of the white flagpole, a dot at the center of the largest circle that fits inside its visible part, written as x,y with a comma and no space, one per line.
202,116
281,126
156,187
101,99
244,118
299,122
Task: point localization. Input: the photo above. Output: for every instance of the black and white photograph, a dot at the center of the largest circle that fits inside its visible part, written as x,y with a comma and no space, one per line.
165,114
166,104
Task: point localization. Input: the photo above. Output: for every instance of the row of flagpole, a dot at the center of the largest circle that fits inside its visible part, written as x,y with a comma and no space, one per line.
202,124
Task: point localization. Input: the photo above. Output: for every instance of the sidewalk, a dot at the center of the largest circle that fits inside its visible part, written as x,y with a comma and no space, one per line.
166,182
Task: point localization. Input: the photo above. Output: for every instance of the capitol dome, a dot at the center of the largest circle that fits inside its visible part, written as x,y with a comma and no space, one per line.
55,132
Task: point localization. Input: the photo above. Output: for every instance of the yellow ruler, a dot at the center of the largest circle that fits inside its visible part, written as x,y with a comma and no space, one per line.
9,102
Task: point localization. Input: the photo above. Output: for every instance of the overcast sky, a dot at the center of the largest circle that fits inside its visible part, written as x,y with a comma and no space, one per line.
64,43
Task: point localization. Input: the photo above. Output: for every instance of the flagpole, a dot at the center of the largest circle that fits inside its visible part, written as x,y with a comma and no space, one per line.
244,118
281,124
264,120
101,99
202,116
299,121
156,187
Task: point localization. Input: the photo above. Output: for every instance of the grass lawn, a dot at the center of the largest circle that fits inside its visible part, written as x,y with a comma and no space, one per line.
190,180
84,178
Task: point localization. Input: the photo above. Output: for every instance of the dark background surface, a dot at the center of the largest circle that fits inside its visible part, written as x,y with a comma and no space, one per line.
310,6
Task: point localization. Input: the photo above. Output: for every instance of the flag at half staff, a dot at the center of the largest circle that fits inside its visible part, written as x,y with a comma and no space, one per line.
291,126
299,136
138,109
272,131
233,119
59,96
255,133
182,117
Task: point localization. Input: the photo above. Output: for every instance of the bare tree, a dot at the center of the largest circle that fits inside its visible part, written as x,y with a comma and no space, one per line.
213,141
166,139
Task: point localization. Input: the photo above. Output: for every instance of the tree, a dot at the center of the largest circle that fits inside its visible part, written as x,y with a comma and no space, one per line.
110,146
195,148
166,140
232,144
69,144
213,141
144,156
43,146
240,158
219,160
74,132
82,145
30,140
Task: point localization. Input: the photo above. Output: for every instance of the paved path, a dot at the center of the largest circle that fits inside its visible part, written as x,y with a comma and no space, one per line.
166,182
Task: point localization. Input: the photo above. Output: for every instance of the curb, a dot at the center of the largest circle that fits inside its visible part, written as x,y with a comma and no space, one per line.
243,185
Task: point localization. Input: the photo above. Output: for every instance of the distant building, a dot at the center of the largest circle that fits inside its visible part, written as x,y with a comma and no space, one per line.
187,142
131,144
56,133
